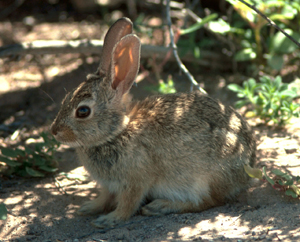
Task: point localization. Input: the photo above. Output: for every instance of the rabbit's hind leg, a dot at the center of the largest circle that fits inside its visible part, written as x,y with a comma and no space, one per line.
105,202
160,207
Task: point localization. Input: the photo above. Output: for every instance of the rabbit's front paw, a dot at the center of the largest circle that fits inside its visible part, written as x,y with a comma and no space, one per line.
105,221
89,208
157,208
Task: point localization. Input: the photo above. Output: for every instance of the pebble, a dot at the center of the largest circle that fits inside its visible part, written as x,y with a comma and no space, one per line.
263,236
291,149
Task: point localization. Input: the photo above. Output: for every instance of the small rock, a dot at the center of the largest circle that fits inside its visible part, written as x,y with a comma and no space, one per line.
291,149
273,228
262,237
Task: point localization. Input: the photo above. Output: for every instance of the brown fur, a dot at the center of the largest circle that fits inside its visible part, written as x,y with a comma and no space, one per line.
184,152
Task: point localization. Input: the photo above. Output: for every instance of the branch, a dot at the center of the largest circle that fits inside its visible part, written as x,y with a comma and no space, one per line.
8,10
270,22
174,47
40,47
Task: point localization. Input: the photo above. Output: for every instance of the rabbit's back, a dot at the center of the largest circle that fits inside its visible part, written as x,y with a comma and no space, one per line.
182,124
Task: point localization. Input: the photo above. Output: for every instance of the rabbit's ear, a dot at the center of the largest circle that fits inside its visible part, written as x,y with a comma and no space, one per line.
125,63
116,32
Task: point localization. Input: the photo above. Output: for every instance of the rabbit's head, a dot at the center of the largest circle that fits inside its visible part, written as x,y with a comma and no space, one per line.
94,112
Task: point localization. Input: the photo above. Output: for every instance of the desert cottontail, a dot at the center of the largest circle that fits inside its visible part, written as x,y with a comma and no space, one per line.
183,152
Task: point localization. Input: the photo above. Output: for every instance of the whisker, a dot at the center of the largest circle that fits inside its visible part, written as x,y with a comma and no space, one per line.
47,95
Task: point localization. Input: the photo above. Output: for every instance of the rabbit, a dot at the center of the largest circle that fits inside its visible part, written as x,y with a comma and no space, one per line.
183,152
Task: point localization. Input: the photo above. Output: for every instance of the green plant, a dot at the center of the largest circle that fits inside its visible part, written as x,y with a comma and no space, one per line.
162,87
190,43
3,211
256,43
271,99
284,182
280,181
32,162
247,33
166,87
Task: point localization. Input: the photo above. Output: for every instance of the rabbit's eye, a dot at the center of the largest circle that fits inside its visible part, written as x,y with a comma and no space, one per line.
83,112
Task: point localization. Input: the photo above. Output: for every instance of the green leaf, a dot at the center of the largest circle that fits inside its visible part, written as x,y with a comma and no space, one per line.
28,150
275,61
9,152
290,192
245,44
296,189
288,94
241,103
251,83
278,16
280,44
39,146
3,212
277,82
48,169
10,162
282,174
235,88
20,152
38,160
289,183
197,52
268,178
219,26
253,172
288,11
245,54
199,24
22,173
33,172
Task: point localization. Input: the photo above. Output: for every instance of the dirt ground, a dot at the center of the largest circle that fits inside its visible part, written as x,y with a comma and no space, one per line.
44,209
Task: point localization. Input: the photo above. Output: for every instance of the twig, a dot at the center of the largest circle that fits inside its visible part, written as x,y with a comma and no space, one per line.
58,185
270,22
277,237
174,47
7,11
237,218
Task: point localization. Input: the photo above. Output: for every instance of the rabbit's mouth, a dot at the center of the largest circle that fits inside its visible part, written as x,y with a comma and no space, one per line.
70,143
65,136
